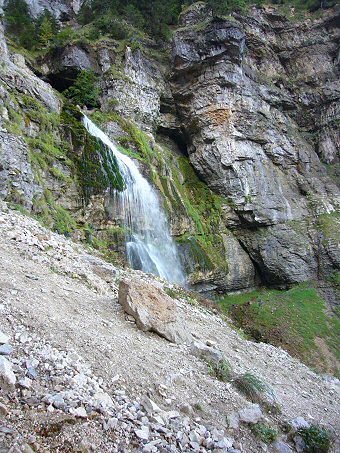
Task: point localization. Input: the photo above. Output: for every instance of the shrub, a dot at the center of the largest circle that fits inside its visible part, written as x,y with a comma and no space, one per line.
221,370
19,23
250,385
317,440
264,432
46,28
85,90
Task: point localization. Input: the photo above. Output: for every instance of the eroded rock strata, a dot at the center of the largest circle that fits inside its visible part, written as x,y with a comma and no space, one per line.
246,105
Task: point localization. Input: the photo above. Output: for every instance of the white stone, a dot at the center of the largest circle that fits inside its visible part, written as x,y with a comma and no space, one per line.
251,414
3,338
7,377
233,420
102,399
299,422
142,433
281,447
26,383
79,412
149,405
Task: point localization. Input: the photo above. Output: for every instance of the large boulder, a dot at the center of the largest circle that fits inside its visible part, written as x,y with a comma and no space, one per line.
153,310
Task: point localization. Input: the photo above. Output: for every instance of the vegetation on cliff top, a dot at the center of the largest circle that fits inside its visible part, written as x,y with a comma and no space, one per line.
115,18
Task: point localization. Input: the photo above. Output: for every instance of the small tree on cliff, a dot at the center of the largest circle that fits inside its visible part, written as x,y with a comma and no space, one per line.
85,90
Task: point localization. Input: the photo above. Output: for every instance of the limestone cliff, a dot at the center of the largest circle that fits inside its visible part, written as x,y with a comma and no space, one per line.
240,137
256,98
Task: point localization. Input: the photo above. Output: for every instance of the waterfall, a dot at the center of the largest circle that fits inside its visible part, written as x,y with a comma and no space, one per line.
149,246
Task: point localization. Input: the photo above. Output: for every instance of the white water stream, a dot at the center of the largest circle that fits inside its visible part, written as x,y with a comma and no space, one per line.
149,245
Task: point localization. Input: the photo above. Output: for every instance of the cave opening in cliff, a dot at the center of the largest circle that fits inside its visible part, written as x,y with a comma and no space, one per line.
62,80
173,138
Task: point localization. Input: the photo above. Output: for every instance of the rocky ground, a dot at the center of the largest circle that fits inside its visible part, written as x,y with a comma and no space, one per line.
77,374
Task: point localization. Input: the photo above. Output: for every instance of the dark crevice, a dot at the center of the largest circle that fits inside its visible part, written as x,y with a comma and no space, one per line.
176,136
62,80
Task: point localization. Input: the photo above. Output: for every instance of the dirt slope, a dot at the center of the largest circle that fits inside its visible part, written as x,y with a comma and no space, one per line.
54,293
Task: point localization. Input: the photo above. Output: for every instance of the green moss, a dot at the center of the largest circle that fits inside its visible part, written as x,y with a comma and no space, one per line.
59,174
52,215
97,169
294,319
334,278
204,208
329,225
35,111
181,294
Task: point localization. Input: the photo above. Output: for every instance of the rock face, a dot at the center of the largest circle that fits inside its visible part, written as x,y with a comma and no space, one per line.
260,140
136,90
250,100
61,9
152,309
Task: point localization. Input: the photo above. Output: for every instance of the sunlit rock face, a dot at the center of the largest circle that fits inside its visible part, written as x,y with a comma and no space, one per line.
61,9
251,100
256,96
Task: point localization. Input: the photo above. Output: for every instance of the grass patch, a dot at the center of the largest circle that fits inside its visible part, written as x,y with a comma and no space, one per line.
181,294
222,370
250,385
292,319
52,215
264,432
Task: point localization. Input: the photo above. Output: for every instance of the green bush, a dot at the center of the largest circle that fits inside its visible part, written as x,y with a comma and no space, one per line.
317,440
19,23
46,28
85,90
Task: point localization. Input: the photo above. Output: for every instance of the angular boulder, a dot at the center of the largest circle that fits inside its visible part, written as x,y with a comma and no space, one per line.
205,352
251,414
153,310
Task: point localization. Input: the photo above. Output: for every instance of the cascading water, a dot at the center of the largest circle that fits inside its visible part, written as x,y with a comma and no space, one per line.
149,245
